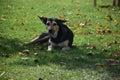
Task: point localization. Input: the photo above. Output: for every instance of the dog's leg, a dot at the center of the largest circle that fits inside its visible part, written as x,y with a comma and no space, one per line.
65,48
35,40
50,47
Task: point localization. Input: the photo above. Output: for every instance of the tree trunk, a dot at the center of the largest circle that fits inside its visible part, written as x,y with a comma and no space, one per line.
119,3
95,1
114,2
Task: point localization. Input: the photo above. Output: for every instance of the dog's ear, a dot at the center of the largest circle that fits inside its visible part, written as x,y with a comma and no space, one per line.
61,21
43,19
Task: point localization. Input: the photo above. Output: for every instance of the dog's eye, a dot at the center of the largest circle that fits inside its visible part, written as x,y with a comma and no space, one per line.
47,24
54,24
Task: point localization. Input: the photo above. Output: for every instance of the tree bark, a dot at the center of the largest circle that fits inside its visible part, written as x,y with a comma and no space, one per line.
114,2
119,3
95,1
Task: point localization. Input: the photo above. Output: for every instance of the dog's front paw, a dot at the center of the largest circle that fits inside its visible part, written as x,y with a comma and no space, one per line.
49,48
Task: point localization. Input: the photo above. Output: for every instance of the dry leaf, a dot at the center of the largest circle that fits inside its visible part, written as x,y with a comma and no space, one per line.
80,31
36,61
26,29
109,17
93,46
109,31
14,28
110,60
62,63
77,58
40,79
1,36
61,16
26,51
117,53
82,24
25,58
35,54
22,23
32,7
101,65
9,6
20,53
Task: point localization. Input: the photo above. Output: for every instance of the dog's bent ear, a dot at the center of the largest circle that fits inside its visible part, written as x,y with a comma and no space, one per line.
61,21
43,19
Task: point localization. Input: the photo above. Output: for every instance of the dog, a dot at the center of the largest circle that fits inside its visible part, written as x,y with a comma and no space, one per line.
57,35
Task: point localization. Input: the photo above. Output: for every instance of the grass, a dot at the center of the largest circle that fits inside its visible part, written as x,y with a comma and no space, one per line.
97,38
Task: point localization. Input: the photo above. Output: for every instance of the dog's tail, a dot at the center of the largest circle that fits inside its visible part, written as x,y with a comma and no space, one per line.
42,38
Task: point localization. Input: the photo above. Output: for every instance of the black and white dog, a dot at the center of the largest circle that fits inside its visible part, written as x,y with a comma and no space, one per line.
58,34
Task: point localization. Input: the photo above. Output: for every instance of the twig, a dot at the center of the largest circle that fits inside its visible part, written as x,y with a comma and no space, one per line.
2,74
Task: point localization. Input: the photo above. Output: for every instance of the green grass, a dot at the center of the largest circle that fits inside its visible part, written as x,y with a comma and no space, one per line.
94,42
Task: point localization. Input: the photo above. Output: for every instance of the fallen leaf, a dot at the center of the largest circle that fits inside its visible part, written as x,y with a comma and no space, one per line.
90,53
101,65
25,58
2,19
26,29
9,6
35,54
93,46
114,64
51,73
62,63
20,53
108,17
61,16
22,23
115,42
110,60
14,28
1,36
83,24
117,53
76,58
104,50
32,7
36,60
11,55
80,31
18,44
78,14
40,79
109,31
26,51
5,55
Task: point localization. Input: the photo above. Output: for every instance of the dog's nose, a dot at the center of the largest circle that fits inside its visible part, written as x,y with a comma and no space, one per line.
50,31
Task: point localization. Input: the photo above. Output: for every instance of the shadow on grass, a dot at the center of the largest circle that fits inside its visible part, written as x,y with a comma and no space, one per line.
9,46
106,6
78,58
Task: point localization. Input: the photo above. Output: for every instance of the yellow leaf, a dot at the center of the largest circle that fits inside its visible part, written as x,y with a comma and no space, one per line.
14,28
61,16
80,31
20,53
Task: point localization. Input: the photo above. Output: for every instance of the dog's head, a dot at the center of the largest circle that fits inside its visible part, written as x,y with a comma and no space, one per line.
52,25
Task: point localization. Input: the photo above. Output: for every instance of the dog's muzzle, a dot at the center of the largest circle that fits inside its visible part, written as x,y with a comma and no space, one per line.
51,31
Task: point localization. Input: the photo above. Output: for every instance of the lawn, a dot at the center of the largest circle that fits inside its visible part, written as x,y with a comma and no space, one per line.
95,54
